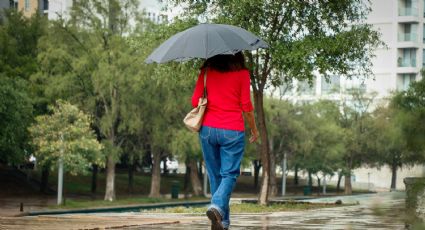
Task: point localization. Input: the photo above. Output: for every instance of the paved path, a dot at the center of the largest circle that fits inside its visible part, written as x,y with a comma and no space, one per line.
378,211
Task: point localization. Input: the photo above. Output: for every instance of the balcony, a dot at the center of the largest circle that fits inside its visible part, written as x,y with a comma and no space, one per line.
407,37
408,14
408,11
406,66
406,62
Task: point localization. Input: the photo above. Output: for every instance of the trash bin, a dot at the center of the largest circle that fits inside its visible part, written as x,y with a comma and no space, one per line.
175,190
307,190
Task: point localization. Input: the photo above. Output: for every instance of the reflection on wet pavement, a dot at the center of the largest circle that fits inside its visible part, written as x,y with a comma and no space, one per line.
377,211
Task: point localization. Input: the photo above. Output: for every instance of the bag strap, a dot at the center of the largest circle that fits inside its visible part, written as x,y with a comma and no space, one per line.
205,83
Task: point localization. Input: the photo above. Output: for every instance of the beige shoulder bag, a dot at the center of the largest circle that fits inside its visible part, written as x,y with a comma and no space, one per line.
193,119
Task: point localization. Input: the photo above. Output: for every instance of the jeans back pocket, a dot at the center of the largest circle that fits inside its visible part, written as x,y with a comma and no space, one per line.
205,132
231,134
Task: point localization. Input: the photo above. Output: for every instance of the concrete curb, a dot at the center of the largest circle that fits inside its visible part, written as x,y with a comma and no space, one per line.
127,208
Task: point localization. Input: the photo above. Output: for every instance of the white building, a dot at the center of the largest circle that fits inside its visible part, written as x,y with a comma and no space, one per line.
153,9
401,23
402,28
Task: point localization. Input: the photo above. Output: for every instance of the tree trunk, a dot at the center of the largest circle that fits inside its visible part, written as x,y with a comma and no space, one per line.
324,184
44,184
110,179
194,178
265,155
156,175
310,179
338,185
296,182
95,169
257,167
186,177
273,181
347,182
130,178
394,175
318,182
200,171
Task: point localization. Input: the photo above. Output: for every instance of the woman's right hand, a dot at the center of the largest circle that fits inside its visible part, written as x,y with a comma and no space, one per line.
254,136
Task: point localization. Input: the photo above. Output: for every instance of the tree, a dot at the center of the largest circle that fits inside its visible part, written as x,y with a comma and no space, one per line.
304,37
317,146
15,117
390,144
18,100
356,121
411,104
87,59
66,135
186,147
166,88
286,134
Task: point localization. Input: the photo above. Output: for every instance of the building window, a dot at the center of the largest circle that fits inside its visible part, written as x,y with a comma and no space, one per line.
27,5
408,8
305,88
423,58
405,81
424,8
332,85
356,84
423,34
13,4
408,58
45,4
409,33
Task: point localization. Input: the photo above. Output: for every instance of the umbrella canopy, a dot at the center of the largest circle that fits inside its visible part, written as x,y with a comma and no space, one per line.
205,41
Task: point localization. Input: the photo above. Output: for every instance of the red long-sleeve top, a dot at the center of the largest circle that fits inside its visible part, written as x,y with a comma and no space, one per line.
228,95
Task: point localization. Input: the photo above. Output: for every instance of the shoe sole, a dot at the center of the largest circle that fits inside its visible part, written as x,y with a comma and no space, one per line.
215,218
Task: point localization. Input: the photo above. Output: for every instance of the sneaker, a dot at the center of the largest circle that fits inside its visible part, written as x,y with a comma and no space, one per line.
215,217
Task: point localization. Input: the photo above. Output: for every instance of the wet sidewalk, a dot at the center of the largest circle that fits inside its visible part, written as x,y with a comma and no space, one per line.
375,211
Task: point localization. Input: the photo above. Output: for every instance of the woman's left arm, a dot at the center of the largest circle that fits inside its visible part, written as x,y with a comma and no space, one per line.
199,90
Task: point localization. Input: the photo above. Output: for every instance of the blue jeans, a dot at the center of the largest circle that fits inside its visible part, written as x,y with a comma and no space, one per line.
223,150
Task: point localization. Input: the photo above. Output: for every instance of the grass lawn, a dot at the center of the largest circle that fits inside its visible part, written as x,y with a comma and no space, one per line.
85,203
249,208
78,195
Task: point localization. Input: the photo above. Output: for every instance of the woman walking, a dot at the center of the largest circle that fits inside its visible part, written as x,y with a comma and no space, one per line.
222,133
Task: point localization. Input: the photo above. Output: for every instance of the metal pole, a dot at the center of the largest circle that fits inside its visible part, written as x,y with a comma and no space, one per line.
60,172
284,175
60,181
368,181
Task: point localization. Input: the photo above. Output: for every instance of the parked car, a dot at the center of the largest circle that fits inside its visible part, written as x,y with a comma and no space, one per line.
172,165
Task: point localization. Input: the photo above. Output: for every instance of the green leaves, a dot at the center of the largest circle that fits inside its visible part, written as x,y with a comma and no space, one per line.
66,134
19,100
16,114
304,36
411,106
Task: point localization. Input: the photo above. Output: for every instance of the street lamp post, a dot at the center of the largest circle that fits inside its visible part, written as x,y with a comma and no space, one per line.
60,171
368,181
284,175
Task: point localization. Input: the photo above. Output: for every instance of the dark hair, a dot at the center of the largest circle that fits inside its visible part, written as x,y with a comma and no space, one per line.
226,62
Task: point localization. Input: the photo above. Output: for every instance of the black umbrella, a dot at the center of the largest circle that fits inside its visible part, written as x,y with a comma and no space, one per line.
205,41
